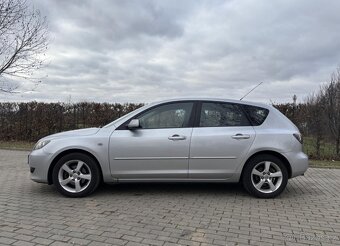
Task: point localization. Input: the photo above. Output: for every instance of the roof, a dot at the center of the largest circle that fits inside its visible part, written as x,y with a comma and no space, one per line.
211,99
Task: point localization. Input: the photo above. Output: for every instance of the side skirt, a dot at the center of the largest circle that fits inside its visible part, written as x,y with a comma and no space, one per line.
164,180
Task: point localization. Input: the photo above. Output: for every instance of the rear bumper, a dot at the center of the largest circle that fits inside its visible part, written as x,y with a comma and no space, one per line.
298,162
38,161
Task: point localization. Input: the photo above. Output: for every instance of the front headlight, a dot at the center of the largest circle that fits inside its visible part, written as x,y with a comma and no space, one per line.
41,144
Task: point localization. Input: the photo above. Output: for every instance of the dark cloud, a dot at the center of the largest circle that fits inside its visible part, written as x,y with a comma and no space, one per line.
150,50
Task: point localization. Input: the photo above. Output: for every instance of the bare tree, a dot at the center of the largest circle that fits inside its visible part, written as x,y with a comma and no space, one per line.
316,119
331,94
23,41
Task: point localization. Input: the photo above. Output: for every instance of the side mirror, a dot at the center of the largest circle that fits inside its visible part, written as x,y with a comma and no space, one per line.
133,124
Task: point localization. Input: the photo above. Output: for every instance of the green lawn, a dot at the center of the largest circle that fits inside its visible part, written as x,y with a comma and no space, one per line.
16,145
327,149
324,164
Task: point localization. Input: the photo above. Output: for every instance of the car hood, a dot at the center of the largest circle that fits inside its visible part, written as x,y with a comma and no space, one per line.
74,133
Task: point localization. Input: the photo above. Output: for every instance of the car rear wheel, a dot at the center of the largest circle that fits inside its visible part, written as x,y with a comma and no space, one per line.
76,175
265,176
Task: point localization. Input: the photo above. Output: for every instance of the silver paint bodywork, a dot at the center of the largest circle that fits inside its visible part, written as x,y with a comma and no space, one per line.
204,153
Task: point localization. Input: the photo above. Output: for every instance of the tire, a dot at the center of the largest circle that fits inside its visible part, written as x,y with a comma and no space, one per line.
265,176
76,175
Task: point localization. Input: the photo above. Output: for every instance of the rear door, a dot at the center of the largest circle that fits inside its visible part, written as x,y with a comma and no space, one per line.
220,140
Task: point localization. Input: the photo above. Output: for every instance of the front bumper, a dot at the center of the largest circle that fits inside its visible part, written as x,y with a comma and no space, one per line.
39,162
298,162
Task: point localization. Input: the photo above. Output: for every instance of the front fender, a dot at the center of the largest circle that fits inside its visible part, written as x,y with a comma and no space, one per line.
95,146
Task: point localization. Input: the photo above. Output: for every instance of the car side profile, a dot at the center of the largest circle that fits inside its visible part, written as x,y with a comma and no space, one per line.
180,140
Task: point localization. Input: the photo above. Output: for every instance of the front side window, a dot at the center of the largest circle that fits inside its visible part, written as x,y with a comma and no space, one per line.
174,115
222,115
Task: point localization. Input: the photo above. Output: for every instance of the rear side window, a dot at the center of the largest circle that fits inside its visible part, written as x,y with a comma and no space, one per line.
222,115
257,115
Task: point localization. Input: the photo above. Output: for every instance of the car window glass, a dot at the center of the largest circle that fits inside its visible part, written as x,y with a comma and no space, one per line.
174,115
257,115
222,114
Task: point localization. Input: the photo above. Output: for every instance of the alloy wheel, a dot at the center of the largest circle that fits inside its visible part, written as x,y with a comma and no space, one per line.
266,177
74,176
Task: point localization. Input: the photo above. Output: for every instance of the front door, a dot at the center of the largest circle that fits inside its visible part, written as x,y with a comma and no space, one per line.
158,149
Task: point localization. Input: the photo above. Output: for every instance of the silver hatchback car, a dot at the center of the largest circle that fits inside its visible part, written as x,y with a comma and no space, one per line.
187,140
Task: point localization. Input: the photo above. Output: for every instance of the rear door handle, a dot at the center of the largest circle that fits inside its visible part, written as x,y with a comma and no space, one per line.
240,136
177,137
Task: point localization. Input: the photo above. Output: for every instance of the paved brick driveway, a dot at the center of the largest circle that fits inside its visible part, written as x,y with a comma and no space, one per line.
308,212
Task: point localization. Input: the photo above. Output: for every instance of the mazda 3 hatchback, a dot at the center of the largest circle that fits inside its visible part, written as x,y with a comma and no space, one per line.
188,140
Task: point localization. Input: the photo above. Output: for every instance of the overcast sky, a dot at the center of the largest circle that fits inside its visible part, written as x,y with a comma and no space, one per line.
142,51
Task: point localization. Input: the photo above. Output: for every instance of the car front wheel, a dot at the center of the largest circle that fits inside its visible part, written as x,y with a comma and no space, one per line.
265,176
76,175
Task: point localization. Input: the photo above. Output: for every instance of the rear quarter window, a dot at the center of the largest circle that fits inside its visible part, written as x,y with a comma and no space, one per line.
257,115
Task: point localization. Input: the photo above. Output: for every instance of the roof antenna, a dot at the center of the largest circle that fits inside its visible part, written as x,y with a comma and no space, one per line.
251,91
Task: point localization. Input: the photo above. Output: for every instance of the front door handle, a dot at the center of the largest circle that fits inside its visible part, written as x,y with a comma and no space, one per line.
240,136
177,137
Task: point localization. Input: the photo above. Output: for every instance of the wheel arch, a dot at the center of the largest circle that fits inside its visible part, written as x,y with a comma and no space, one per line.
270,152
66,152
